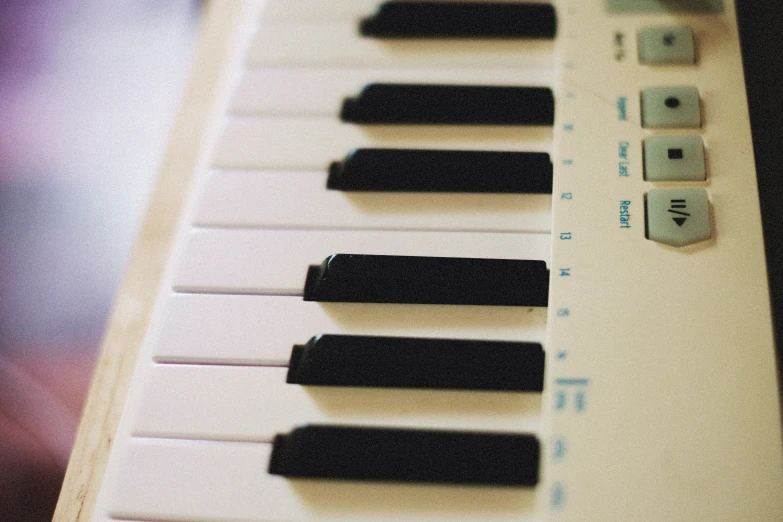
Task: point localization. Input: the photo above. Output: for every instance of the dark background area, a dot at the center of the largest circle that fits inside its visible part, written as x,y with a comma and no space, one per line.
761,32
88,92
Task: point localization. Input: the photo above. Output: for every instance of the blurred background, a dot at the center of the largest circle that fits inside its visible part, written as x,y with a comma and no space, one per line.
88,93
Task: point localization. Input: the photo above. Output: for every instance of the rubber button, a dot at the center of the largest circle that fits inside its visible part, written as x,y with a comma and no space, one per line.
674,158
678,217
671,108
673,45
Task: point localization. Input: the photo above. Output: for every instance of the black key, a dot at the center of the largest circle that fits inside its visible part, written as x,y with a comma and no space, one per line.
401,455
383,103
460,20
408,170
353,278
404,362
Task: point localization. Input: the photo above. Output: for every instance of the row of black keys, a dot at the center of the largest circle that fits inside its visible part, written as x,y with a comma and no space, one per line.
407,362
417,170
382,454
426,104
421,170
405,455
353,278
399,19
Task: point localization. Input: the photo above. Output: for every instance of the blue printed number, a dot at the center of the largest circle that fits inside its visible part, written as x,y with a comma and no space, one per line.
580,402
558,495
561,401
559,449
565,236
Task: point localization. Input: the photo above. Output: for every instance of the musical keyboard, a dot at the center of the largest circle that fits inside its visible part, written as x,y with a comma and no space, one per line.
658,395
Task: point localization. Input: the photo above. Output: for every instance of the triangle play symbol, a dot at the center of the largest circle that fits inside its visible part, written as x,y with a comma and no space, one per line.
679,221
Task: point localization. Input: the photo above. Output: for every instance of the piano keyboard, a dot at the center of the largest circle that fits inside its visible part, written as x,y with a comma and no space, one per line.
464,261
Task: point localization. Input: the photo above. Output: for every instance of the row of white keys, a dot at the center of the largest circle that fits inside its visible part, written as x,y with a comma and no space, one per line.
261,330
252,403
312,143
300,199
320,91
228,481
275,262
267,183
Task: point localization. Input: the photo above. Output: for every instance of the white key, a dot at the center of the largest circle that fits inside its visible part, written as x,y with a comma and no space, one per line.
241,329
276,261
300,199
254,403
313,143
321,91
339,43
318,10
227,481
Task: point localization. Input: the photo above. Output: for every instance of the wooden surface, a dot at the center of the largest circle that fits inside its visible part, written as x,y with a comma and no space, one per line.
130,316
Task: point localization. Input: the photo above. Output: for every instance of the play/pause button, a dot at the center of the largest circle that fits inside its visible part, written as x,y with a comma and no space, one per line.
678,217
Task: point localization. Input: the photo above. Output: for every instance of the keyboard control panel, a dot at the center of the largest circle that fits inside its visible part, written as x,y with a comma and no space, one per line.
656,242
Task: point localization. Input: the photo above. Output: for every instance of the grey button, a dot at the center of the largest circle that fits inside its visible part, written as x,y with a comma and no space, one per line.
671,108
678,217
661,6
674,158
667,45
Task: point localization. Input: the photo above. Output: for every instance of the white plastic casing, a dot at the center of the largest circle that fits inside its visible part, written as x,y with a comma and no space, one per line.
661,398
